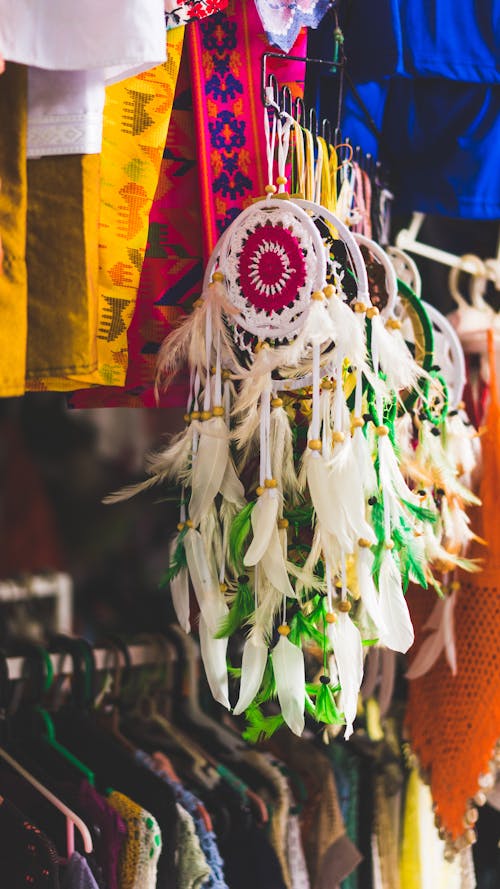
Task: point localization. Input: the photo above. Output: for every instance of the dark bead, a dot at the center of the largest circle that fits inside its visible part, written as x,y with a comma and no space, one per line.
367,418
243,578
452,413
436,368
435,431
325,680
440,492
372,501
422,493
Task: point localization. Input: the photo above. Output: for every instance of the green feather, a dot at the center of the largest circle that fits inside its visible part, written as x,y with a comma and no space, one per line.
240,530
421,512
300,626
260,727
326,709
268,685
240,611
178,562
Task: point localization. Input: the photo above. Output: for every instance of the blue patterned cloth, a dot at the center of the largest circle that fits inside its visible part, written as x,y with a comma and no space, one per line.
207,838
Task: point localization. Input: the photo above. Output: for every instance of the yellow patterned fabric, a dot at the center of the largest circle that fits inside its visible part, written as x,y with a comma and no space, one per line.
141,849
136,118
13,201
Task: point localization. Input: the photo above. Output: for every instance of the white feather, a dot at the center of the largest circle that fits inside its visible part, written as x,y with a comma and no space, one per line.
366,586
338,498
179,589
274,565
396,361
348,651
264,517
211,533
213,653
398,633
270,600
231,487
204,579
364,462
281,446
253,665
349,334
289,674
171,463
441,638
209,467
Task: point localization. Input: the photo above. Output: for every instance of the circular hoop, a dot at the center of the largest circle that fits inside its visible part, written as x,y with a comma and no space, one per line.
449,334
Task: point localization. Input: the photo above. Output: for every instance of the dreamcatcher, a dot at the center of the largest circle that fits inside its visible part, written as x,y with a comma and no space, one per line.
306,503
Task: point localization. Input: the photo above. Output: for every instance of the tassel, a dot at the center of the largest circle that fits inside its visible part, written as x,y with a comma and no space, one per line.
205,581
348,651
289,673
213,653
269,601
364,462
209,467
264,518
253,666
366,586
398,629
274,566
349,334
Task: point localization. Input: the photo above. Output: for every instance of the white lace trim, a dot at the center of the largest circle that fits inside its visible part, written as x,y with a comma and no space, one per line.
65,134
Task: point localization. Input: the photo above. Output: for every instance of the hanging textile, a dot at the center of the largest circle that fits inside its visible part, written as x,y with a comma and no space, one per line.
136,118
213,158
182,12
453,721
283,20
13,203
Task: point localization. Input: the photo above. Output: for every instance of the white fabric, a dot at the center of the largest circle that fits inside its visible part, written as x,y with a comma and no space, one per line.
121,37
64,112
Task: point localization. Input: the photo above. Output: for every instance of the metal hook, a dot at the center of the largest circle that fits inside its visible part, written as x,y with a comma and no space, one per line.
326,130
300,110
286,100
313,121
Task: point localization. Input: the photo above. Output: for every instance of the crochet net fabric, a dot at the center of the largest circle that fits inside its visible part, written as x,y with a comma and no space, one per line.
454,721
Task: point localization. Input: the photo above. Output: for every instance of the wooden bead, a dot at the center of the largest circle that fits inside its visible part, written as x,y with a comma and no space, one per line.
181,526
261,345
360,307
357,423
283,523
259,491
205,415
315,444
187,418
197,303
338,436
270,189
276,402
344,606
217,277
327,384
218,411
223,587
226,374
270,483
363,542
389,544
330,617
189,523
393,324
329,290
382,430
372,312
281,180
318,295
195,415
284,630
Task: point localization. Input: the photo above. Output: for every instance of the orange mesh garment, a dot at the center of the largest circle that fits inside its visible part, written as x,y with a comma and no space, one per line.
454,721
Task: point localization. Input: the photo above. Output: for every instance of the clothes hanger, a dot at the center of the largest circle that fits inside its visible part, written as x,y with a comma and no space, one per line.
39,728
72,820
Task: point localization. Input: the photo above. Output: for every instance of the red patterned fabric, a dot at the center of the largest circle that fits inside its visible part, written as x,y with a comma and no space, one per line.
271,267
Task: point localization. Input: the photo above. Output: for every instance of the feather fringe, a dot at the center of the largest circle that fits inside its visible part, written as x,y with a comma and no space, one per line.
209,467
398,629
253,666
348,652
213,653
289,674
264,518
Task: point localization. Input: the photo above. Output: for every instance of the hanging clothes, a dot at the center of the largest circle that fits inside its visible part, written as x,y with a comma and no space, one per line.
453,721
213,166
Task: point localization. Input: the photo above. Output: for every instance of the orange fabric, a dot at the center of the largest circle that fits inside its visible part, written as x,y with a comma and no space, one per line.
454,721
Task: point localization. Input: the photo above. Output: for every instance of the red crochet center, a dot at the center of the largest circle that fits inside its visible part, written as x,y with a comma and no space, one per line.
271,267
